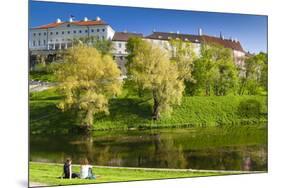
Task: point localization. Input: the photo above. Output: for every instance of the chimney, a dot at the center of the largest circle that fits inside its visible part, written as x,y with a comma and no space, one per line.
200,32
85,19
98,18
58,20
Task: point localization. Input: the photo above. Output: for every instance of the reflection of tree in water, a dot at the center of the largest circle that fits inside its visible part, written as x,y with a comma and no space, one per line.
167,155
204,149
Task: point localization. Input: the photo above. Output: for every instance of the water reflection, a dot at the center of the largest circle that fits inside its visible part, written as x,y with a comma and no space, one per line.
213,148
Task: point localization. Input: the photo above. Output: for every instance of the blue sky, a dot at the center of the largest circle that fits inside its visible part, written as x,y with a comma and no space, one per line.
250,30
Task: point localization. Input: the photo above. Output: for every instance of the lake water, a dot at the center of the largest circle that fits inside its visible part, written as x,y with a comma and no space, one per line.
216,148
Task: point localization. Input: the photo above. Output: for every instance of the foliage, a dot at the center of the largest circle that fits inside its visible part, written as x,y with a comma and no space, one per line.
183,55
250,108
87,80
151,69
256,73
214,72
103,45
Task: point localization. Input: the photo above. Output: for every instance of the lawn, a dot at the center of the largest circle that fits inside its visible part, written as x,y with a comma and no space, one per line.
132,112
48,174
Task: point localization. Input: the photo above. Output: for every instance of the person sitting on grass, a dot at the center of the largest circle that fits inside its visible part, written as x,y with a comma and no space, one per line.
86,170
67,170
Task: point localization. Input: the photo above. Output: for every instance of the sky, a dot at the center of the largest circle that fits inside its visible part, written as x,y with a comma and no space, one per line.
250,30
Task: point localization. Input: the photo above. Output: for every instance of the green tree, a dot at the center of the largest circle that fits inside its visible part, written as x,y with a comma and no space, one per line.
183,55
255,79
152,70
103,45
87,80
214,71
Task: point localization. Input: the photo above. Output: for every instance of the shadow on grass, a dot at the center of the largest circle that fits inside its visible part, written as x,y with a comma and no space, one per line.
45,117
127,111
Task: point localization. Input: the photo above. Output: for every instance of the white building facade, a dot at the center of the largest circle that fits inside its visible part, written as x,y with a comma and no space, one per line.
59,35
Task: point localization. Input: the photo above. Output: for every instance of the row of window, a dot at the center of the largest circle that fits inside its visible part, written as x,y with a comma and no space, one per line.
39,43
68,32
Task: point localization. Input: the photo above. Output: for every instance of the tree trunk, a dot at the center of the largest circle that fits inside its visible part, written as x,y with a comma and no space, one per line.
156,113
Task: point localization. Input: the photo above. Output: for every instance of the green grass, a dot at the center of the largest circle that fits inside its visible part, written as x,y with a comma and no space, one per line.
49,174
42,76
132,112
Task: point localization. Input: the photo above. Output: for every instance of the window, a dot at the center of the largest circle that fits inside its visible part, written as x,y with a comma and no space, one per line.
74,31
62,32
93,30
39,34
86,31
103,37
34,34
45,33
57,40
33,44
51,40
68,25
57,33
103,30
51,33
39,42
121,57
80,31
98,30
120,45
68,32
44,42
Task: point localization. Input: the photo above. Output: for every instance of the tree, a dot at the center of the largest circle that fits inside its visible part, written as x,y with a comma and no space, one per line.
151,68
255,79
103,45
214,71
183,55
87,80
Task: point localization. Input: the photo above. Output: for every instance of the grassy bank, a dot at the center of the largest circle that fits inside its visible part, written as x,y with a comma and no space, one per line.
49,174
132,112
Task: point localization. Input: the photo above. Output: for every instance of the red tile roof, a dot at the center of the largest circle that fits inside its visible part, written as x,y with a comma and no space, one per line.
227,43
79,23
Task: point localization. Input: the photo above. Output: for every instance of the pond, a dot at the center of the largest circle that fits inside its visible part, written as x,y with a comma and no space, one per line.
213,148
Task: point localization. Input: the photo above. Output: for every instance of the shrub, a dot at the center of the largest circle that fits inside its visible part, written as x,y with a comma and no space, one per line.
249,108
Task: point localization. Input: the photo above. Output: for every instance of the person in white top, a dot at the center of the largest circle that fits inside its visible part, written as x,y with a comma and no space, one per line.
86,170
